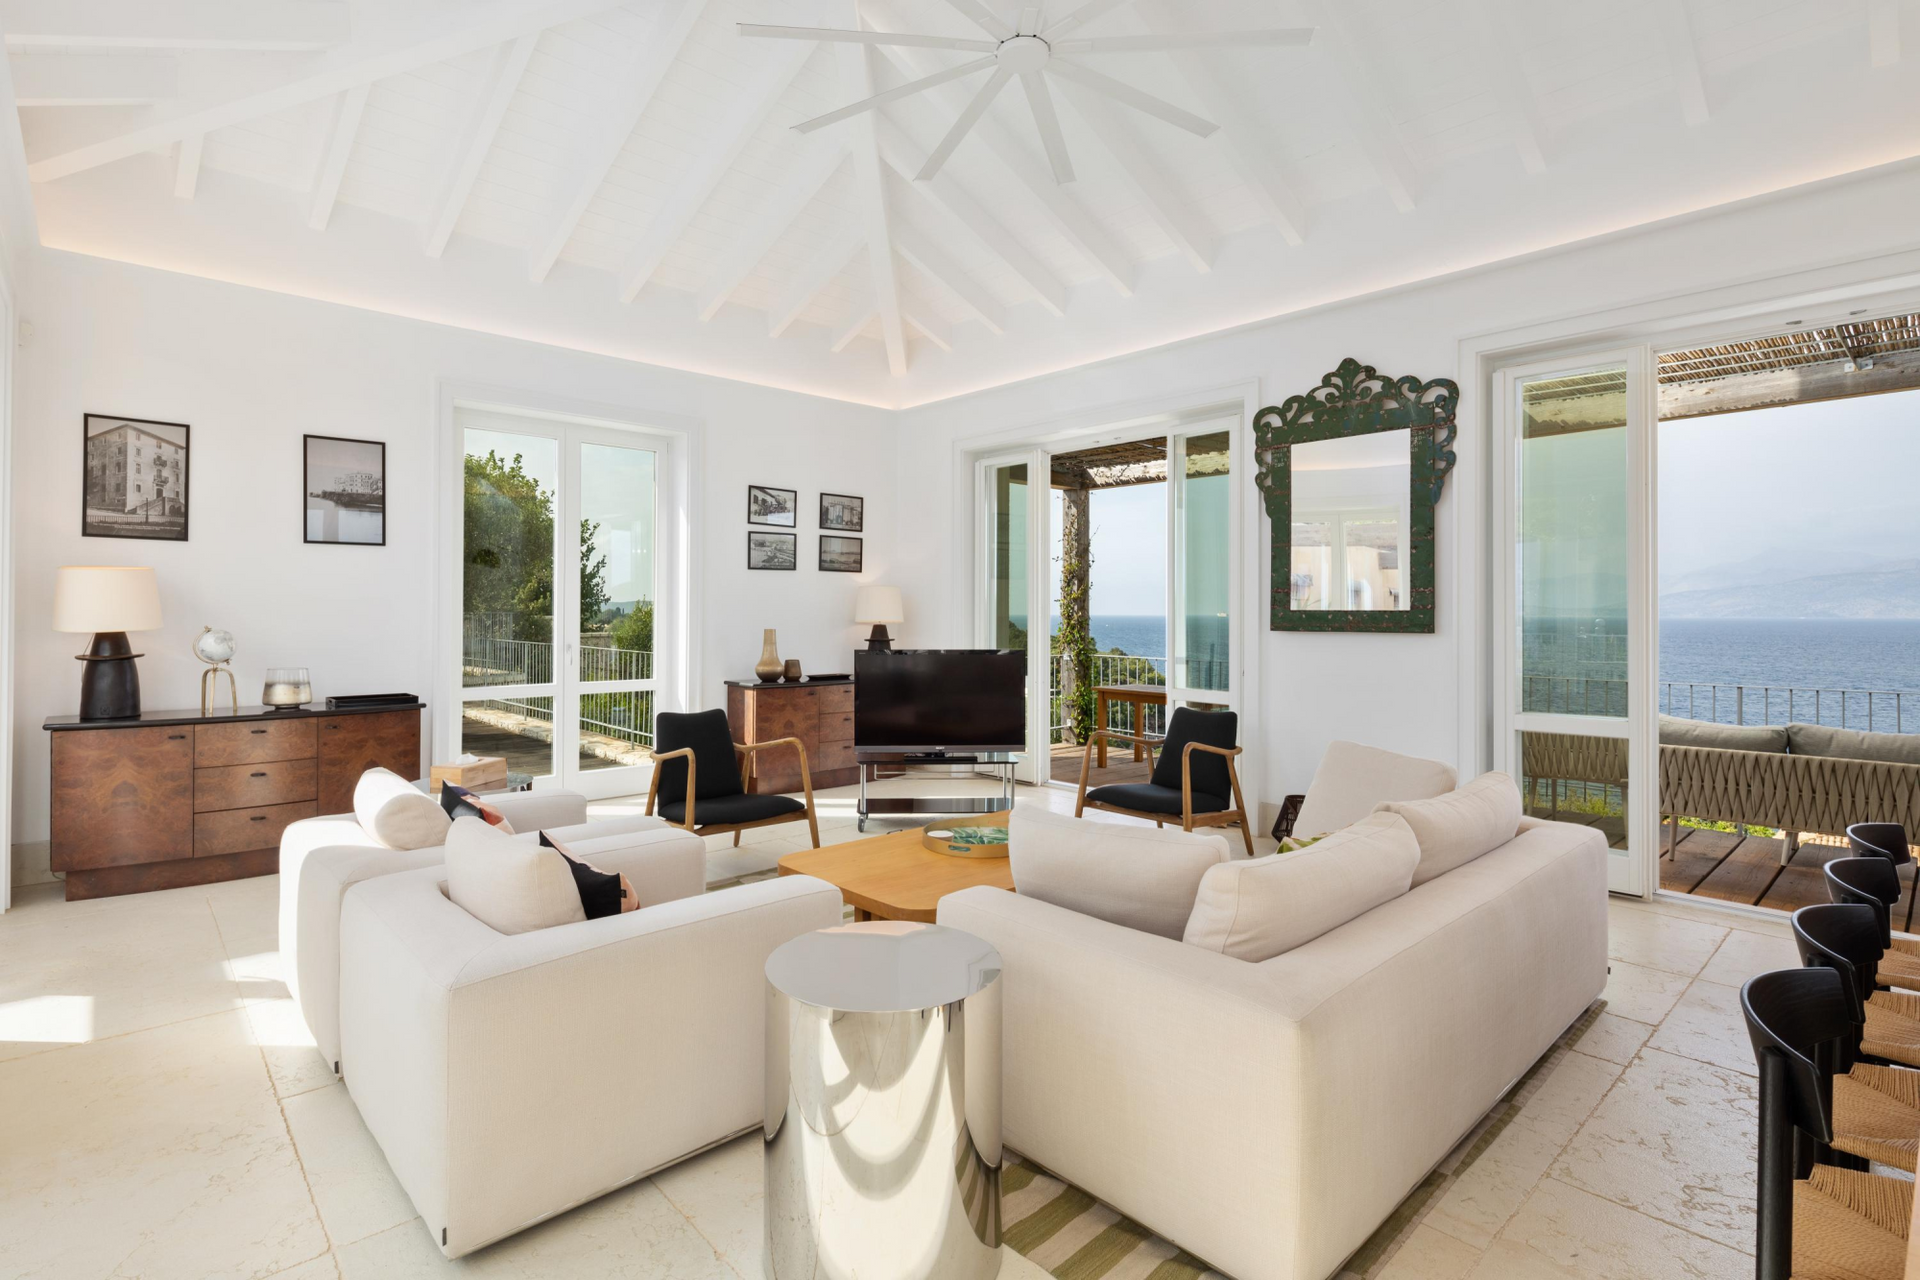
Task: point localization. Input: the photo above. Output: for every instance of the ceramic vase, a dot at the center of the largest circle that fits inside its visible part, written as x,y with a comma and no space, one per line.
768,668
793,670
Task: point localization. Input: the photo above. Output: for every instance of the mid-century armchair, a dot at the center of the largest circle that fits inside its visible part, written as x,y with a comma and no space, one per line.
699,784
1193,780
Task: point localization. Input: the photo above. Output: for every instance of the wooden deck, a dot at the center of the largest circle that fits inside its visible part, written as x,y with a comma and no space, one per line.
1120,766
1733,868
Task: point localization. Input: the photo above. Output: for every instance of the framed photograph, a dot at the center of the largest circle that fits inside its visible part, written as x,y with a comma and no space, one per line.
843,513
840,555
778,507
773,551
345,483
135,479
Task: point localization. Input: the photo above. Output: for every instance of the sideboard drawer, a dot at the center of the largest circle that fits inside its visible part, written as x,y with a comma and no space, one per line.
836,726
247,742
834,698
238,830
831,755
244,786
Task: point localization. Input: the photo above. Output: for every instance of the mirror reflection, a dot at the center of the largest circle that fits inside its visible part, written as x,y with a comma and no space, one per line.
1350,522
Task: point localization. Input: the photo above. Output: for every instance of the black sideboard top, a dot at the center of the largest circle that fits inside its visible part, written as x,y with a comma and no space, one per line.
156,719
787,684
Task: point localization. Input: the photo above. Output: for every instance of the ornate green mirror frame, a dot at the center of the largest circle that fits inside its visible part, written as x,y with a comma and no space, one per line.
1354,400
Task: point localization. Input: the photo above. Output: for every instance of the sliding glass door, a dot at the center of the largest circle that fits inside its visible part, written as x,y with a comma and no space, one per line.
1015,602
561,590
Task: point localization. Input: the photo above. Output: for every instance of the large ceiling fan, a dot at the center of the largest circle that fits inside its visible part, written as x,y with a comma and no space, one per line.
1032,50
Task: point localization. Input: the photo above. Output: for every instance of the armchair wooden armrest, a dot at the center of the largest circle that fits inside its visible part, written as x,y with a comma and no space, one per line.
806,775
1108,735
653,784
1186,778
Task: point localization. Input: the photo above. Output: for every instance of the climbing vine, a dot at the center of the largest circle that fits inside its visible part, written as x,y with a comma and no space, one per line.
1075,643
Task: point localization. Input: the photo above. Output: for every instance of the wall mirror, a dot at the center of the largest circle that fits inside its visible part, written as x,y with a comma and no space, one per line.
1351,472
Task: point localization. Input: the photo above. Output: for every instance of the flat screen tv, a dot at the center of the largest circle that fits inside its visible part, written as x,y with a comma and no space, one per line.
926,701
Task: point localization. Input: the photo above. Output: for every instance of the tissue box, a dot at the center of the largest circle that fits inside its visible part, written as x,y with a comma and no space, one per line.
485,772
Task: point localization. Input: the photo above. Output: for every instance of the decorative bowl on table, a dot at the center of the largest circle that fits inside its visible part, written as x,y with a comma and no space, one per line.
287,688
967,842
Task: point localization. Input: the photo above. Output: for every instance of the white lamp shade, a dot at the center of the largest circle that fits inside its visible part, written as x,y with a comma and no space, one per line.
878,604
90,598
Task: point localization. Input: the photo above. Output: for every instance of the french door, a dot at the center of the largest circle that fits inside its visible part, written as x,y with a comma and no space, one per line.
565,646
1575,719
1016,599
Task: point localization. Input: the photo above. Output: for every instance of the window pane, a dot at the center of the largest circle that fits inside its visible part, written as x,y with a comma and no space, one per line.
616,729
521,729
1572,561
507,572
616,563
1568,777
1007,553
1201,632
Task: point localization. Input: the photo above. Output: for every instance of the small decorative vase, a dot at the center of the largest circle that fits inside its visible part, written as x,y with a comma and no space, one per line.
287,688
768,668
793,670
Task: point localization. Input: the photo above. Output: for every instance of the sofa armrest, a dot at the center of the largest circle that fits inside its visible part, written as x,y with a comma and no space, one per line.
535,810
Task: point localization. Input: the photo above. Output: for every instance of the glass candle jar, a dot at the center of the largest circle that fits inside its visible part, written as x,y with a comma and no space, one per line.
287,687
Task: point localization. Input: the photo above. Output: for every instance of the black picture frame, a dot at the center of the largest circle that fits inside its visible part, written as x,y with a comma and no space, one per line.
764,552
106,488
346,500
834,512
851,546
760,500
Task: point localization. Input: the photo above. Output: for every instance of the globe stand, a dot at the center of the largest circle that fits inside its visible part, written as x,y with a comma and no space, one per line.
210,689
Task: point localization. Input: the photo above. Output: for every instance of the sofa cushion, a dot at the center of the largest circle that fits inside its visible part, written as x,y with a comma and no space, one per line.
396,813
1140,877
1458,827
1678,732
506,884
602,893
459,802
1853,744
1353,778
1258,908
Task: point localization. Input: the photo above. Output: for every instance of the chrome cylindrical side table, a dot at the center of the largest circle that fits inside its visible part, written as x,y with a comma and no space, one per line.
883,1105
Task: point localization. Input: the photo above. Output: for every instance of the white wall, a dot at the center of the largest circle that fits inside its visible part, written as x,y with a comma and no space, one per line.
1399,692
252,371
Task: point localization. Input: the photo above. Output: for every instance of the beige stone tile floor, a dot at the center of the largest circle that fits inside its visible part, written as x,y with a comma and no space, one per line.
163,1114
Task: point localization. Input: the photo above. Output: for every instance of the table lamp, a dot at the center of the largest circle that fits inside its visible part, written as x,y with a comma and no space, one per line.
109,602
879,606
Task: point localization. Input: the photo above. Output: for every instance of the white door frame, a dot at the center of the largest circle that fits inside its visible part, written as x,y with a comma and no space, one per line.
1038,758
676,680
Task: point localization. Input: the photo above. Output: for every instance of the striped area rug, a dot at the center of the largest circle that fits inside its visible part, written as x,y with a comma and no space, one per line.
1074,1237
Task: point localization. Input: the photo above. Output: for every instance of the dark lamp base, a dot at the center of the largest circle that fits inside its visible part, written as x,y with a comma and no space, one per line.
878,641
110,684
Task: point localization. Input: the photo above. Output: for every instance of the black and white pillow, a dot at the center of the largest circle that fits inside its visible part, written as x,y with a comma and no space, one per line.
462,803
602,893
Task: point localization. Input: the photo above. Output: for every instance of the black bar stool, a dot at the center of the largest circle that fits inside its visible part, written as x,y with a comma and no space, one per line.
1884,840
1873,882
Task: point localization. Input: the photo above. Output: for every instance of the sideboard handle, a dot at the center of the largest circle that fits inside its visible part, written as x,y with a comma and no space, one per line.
256,775
176,737
258,817
257,731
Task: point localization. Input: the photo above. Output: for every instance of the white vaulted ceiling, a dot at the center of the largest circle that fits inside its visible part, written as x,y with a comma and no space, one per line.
625,177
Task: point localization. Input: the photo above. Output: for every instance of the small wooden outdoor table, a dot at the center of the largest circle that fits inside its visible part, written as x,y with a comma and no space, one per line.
1139,696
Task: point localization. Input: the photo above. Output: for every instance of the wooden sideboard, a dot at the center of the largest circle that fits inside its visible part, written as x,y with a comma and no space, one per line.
819,714
177,798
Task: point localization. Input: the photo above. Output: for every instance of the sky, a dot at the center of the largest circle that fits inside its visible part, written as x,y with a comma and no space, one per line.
1129,551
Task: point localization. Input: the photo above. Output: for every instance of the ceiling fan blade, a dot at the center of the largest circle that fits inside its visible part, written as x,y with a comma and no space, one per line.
1138,99
984,18
1186,40
889,95
837,36
1084,14
964,125
1048,122
1030,18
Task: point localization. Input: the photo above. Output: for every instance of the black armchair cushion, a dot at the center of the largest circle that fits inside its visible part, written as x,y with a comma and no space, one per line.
1215,729
712,742
1151,797
727,811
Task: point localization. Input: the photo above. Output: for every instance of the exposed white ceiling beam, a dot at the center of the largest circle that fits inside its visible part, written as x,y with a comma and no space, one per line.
1047,120
1506,74
1883,31
827,264
479,125
334,155
946,273
1341,40
1066,213
854,324
714,158
1255,155
820,158
1170,212
927,322
176,24
883,275
905,159
1683,60
482,24
186,165
43,78
617,122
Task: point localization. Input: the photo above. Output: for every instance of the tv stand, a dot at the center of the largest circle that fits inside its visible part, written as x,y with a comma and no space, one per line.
1001,762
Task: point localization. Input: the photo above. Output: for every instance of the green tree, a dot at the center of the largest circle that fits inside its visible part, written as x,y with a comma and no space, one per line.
509,550
635,631
593,577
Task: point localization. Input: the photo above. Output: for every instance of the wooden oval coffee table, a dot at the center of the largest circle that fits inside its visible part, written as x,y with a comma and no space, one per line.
895,876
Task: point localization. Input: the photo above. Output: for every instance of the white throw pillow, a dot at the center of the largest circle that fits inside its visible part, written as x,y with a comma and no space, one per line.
396,813
507,885
1353,778
1259,908
1141,877
1458,827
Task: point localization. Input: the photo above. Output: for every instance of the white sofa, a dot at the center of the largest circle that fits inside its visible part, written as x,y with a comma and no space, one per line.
1269,1116
510,1077
321,858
